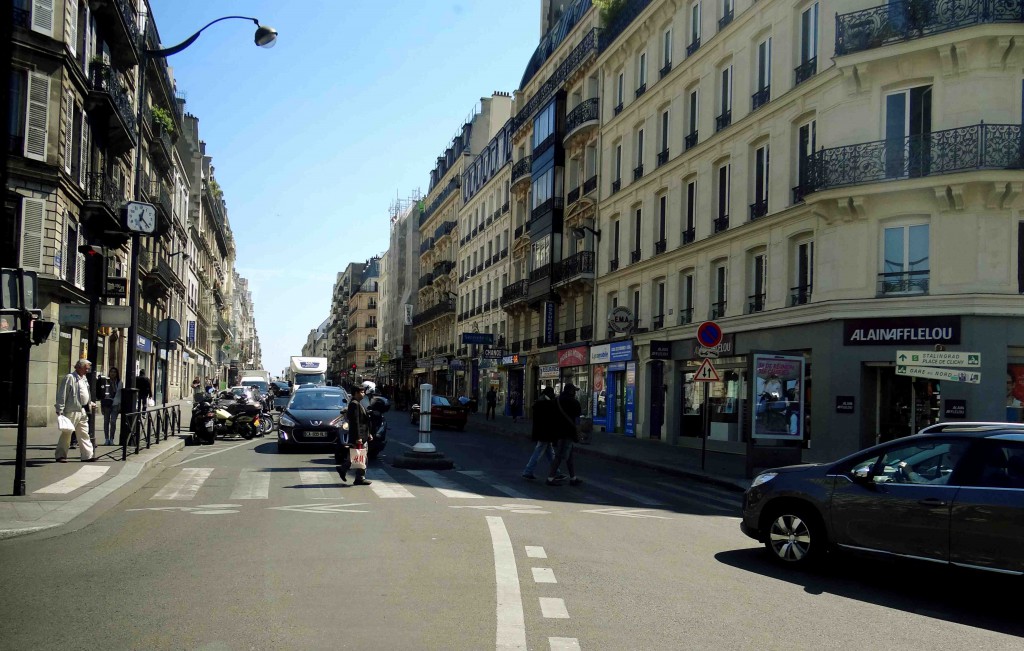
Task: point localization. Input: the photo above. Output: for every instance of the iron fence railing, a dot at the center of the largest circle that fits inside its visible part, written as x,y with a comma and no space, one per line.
521,168
579,263
103,79
586,111
903,282
152,424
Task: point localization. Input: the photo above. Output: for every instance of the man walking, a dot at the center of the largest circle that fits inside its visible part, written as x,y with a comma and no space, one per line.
74,401
543,434
145,390
358,436
492,401
566,415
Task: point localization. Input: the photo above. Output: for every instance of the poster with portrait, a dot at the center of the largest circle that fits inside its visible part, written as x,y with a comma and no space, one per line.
778,411
1015,393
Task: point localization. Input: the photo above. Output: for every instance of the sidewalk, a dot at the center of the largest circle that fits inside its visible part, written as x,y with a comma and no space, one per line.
645,453
56,493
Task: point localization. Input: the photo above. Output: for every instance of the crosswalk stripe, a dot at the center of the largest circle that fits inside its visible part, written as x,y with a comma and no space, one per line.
636,497
444,485
85,475
501,488
564,644
252,484
324,483
707,498
185,485
384,485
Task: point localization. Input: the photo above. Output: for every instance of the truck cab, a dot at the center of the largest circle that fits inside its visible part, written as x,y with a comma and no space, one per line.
307,371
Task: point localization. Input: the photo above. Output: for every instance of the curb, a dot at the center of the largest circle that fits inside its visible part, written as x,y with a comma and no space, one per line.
79,505
737,486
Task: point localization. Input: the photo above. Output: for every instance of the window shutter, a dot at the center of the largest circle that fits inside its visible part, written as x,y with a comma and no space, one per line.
38,102
42,17
83,164
32,213
80,262
69,129
71,26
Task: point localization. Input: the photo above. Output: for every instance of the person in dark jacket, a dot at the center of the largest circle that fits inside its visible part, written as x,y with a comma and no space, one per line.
358,436
565,417
492,402
542,434
145,390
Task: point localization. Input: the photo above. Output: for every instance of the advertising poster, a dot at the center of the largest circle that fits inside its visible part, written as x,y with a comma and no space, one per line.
1015,393
600,392
778,406
630,399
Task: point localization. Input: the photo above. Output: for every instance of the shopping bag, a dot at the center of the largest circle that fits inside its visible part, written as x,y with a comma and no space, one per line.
358,458
151,402
64,423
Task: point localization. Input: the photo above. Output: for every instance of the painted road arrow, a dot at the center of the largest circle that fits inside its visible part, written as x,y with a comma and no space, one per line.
321,508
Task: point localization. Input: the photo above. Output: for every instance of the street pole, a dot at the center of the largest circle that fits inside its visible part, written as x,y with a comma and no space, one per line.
705,426
24,344
424,444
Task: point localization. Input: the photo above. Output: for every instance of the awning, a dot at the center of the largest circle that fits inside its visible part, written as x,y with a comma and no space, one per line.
419,371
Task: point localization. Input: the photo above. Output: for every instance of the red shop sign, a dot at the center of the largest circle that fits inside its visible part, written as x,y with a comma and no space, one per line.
577,356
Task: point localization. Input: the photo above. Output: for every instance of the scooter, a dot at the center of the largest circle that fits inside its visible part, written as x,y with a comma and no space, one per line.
240,417
202,423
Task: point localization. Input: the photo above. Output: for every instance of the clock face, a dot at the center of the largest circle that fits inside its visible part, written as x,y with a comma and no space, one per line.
141,217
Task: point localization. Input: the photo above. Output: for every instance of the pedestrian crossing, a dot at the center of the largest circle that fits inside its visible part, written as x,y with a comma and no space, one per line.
323,483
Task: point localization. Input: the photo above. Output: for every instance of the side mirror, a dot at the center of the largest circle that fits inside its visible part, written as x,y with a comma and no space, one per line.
862,475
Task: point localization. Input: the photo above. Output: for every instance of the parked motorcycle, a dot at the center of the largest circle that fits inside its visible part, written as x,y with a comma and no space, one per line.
237,416
202,423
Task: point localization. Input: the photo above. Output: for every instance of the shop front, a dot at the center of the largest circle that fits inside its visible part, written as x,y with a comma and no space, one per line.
613,396
573,367
514,369
144,356
491,377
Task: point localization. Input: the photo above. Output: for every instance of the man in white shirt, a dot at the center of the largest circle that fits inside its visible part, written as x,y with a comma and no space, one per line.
74,400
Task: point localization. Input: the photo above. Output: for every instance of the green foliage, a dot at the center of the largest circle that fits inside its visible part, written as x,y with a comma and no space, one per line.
162,117
215,187
609,10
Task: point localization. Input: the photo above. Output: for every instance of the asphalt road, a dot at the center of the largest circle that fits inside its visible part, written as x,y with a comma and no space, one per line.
237,547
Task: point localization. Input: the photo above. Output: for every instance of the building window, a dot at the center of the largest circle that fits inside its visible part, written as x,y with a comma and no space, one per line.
758,279
724,118
807,140
663,153
763,74
641,74
694,28
686,297
544,126
803,274
658,322
636,305
634,255
808,44
638,171
616,236
905,265
660,245
691,119
666,52
908,121
761,175
690,215
620,91
724,192
719,290
728,11
618,168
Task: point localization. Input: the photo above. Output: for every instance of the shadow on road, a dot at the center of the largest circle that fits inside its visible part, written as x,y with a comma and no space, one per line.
971,598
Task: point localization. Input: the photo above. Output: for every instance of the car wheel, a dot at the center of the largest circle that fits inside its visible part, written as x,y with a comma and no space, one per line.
795,536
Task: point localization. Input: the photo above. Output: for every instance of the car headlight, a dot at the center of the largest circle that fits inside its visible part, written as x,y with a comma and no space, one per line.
286,422
763,478
341,422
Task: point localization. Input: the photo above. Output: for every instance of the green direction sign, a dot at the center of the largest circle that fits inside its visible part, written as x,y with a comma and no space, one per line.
934,373
933,358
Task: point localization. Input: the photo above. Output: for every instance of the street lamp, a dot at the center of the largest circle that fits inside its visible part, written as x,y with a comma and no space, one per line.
265,37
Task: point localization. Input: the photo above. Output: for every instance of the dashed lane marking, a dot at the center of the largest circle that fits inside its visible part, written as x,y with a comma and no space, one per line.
535,552
552,608
543,575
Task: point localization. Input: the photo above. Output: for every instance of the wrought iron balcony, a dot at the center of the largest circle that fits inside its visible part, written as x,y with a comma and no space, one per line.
519,230
443,230
616,185
658,322
429,211
436,311
690,140
903,20
590,185
662,157
586,333
521,169
426,245
718,310
642,89
634,256
758,209
541,273
585,114
975,147
426,280
103,202
693,47
689,235
121,30
613,264
800,295
108,104
617,109
660,246
901,283
755,303
162,154
528,344
515,292
573,196
442,269
504,253
760,98
554,203
638,171
504,207
515,347
726,18
686,315
723,120
569,336
21,18
494,304
665,69
806,70
575,266
799,192
722,223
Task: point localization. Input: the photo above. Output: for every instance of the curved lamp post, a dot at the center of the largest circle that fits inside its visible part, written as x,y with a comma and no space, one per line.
265,37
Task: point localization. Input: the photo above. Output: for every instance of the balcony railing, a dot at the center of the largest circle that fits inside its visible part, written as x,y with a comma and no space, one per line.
540,274
755,303
528,344
903,282
638,171
584,113
634,256
516,346
975,147
903,20
103,80
103,190
515,292
662,157
519,230
760,98
658,322
574,266
689,235
665,69
799,192
443,268
426,245
758,209
693,47
686,315
641,89
429,211
617,109
616,185
726,19
521,168
426,280
806,70
613,264
443,230
431,313
718,310
21,18
660,246
690,140
586,333
722,223
723,120
590,185
800,295
573,196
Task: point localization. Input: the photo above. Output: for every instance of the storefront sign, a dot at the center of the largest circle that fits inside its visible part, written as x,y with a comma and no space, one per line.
575,356
600,354
902,330
492,352
548,371
617,366
954,408
936,373
549,322
457,365
661,350
192,332
621,351
485,338
116,287
937,358
440,363
693,349
419,371
513,360
185,356
145,345
778,397
630,399
845,404
620,319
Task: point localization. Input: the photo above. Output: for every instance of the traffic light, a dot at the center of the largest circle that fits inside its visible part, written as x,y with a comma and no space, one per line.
41,331
353,367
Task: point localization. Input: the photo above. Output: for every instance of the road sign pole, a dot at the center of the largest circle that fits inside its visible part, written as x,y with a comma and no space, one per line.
706,427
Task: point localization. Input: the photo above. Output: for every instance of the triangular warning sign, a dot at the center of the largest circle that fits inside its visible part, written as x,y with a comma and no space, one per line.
706,372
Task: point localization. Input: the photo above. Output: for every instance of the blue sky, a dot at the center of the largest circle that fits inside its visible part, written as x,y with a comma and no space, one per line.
313,139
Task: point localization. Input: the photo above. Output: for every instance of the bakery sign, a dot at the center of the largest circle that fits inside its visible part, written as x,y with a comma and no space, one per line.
575,356
902,330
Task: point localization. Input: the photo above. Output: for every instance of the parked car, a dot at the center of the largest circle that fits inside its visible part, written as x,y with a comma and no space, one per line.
284,394
315,416
952,494
443,413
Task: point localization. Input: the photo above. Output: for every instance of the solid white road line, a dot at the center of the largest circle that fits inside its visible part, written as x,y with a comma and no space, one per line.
323,483
406,445
252,484
85,475
552,608
708,499
444,485
543,575
636,497
564,644
482,476
210,454
185,485
384,485
511,630
536,552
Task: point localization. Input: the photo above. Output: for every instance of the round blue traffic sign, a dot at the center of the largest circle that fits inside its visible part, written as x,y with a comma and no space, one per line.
709,334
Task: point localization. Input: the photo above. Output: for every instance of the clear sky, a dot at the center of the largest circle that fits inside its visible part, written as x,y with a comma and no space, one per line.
313,139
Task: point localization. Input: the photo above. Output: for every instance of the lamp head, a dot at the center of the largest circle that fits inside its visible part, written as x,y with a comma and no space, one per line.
578,233
265,36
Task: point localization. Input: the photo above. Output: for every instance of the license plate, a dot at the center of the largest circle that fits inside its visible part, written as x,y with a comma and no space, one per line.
316,435
209,424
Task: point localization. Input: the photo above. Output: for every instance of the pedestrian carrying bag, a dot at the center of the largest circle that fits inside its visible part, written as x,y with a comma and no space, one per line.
64,423
358,458
151,402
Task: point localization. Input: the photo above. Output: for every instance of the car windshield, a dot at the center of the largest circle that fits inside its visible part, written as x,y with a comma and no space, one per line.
240,392
441,401
317,400
259,385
